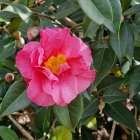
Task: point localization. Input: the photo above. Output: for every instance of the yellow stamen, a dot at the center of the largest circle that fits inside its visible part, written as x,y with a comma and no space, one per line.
53,63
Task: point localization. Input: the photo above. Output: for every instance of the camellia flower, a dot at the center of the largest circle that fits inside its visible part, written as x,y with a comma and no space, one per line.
57,68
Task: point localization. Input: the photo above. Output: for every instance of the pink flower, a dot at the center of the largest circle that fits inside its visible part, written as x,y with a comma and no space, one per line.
57,68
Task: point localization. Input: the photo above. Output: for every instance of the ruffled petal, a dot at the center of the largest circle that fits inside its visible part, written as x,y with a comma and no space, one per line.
85,79
71,46
37,57
23,61
86,53
36,93
53,88
68,85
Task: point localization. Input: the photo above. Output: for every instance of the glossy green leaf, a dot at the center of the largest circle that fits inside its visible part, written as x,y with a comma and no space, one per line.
112,95
7,133
91,108
71,114
42,120
104,60
134,80
15,98
119,42
121,114
125,4
46,23
132,10
130,44
7,48
109,81
23,11
7,15
66,8
117,13
102,12
89,27
136,99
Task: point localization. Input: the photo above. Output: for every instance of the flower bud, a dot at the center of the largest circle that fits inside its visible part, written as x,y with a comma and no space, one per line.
32,32
16,35
9,77
20,42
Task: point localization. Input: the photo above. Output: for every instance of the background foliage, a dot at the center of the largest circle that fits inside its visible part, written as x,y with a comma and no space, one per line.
111,28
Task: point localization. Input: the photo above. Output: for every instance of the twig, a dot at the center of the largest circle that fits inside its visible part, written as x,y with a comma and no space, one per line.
4,3
43,138
16,1
113,130
53,126
21,129
67,20
37,4
50,18
132,133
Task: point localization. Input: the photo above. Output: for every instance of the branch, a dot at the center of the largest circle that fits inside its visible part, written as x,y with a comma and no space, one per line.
67,20
112,131
37,4
48,17
21,129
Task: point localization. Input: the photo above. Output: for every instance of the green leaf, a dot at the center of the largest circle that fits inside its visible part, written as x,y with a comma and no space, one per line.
136,99
44,22
136,53
89,27
7,15
72,112
130,44
23,11
119,42
65,9
61,133
4,1
117,13
15,98
109,81
125,4
134,80
112,95
7,48
91,108
132,10
100,11
7,133
42,120
121,114
104,60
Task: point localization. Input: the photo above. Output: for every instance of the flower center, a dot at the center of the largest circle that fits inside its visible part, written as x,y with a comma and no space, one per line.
53,63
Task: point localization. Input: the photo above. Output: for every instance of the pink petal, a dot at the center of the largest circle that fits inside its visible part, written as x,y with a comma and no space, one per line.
23,61
37,57
68,85
85,79
46,72
77,65
54,90
36,93
63,68
86,53
53,36
72,46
